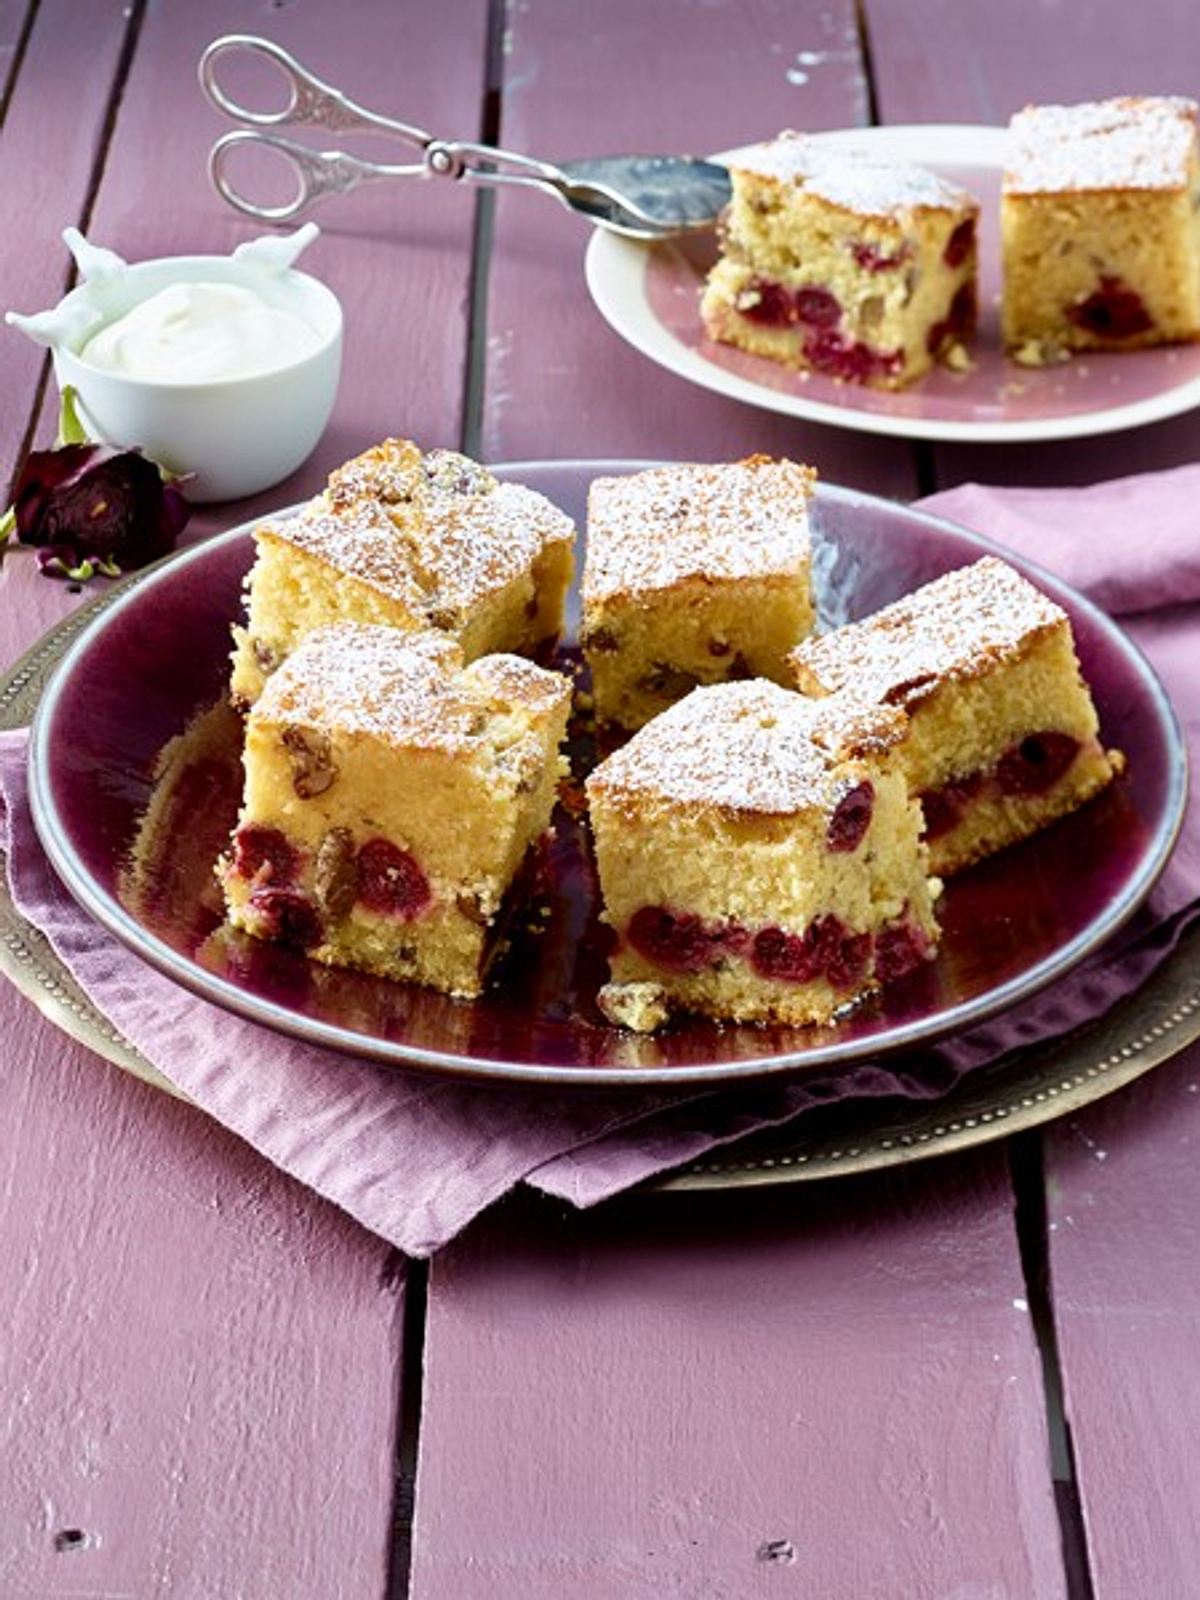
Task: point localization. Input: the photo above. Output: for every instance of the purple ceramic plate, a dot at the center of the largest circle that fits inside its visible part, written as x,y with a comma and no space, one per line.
134,836
651,294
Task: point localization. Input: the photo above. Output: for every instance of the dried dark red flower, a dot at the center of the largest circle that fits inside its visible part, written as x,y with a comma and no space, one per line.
93,507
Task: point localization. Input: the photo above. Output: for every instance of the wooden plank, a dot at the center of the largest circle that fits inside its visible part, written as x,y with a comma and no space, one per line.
58,103
941,61
1123,1193
590,1378
935,63
15,15
48,108
673,76
1122,1187
686,1398
200,1359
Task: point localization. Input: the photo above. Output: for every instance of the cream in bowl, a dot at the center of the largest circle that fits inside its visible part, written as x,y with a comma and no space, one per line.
225,367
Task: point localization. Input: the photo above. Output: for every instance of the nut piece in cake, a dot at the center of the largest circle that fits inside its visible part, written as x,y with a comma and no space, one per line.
1003,736
1100,224
415,541
760,859
391,795
832,261
693,575
638,1007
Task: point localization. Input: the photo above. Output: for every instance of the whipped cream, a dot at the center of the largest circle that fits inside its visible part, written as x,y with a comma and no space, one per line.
201,333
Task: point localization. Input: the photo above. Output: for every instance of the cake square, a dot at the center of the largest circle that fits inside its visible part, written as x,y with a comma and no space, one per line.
1100,227
693,575
1002,735
391,796
414,541
760,859
835,262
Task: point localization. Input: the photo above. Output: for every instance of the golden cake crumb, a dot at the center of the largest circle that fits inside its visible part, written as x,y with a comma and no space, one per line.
694,574
640,1007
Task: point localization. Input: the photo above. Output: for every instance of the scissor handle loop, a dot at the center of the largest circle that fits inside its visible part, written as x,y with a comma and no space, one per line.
311,101
318,173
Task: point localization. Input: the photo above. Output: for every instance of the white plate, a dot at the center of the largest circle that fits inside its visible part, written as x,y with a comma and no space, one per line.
650,295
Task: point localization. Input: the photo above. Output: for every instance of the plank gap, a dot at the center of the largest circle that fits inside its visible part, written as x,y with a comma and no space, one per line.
18,56
39,393
925,466
408,1427
1027,1167
924,470
868,62
475,372
137,12
39,398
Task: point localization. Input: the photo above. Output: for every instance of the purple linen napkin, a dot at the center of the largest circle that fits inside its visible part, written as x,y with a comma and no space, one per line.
412,1156
1132,544
415,1157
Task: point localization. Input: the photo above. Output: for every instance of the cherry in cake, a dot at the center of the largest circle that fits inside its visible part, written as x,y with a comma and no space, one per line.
391,796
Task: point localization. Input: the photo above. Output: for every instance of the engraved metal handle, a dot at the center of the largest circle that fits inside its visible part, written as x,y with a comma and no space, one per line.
311,101
318,173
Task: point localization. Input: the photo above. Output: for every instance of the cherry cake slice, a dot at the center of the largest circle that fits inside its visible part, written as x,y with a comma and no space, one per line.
1100,222
415,539
1002,734
391,796
837,263
760,859
693,575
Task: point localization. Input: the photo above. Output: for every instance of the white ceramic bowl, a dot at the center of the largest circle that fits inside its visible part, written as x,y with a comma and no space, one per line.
236,435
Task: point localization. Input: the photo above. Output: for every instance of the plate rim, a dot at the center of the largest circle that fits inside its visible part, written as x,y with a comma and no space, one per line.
1146,1028
615,271
109,912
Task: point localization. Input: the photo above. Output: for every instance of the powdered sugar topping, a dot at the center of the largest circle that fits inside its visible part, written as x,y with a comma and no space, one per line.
1127,143
407,689
440,553
852,179
953,628
654,529
751,747
360,542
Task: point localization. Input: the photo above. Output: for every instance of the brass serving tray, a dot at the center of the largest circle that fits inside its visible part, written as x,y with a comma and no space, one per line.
1023,1090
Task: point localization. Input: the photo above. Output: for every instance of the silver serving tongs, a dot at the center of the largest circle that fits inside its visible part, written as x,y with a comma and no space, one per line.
643,197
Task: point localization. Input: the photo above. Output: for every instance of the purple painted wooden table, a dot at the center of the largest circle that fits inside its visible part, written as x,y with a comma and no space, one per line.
977,1379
